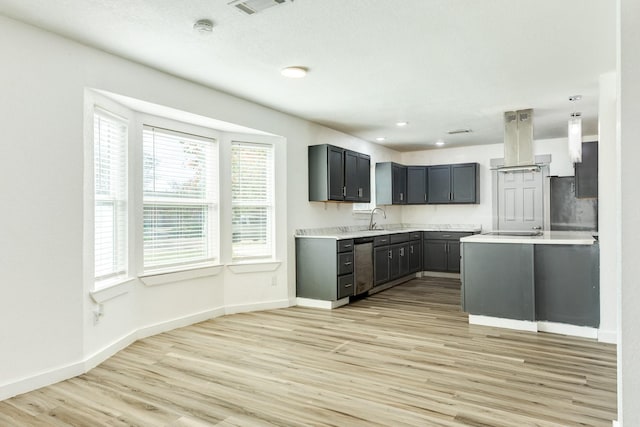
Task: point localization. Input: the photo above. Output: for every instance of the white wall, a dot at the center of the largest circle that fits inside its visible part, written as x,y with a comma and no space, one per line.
629,135
47,329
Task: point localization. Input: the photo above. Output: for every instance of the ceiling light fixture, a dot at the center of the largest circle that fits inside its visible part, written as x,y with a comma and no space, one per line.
380,138
440,143
574,133
294,72
203,26
401,124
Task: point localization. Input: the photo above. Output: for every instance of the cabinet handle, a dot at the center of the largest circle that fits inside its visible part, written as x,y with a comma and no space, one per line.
390,255
348,263
425,197
344,191
348,285
346,246
446,235
359,192
401,251
401,196
450,196
411,250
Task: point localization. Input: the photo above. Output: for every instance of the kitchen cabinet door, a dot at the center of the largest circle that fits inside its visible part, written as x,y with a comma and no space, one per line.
336,173
463,183
364,178
415,256
435,255
399,185
351,184
381,255
587,172
416,185
399,261
439,184
453,256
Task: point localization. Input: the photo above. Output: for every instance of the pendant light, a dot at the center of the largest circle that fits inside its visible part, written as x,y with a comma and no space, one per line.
574,133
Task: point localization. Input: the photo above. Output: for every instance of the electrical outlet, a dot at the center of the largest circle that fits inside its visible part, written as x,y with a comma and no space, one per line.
98,312
274,281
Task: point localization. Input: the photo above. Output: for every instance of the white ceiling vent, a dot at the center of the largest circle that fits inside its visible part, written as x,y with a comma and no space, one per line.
254,6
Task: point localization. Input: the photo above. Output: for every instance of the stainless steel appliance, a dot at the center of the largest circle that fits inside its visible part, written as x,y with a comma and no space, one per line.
363,271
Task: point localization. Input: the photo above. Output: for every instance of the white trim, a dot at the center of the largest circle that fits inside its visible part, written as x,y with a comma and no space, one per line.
496,322
109,292
317,303
258,306
610,337
566,329
40,380
55,375
440,274
154,279
254,267
615,423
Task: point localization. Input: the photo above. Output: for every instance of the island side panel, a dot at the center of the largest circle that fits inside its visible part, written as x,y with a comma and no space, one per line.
568,284
498,280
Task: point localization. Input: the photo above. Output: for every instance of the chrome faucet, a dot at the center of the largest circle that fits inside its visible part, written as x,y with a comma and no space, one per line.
372,225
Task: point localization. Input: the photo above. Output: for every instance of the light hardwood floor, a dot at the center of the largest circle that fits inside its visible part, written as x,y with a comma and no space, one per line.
403,357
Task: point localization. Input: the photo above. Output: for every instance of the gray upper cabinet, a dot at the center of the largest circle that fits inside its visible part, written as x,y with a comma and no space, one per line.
391,184
416,185
587,172
439,184
336,174
457,183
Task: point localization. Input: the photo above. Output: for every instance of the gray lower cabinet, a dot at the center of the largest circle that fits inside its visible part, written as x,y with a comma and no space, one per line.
498,280
568,295
381,255
441,251
415,252
324,268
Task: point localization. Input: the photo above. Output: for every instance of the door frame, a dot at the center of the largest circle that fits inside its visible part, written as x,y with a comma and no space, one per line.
543,162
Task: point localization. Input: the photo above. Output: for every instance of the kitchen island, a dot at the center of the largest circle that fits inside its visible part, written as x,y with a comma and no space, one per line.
547,283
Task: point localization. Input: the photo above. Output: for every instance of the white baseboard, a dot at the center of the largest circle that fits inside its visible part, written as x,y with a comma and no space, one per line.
532,326
41,379
441,274
55,375
497,322
610,337
259,306
565,329
316,303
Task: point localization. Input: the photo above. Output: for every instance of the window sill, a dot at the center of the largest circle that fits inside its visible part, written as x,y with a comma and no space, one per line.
112,290
161,278
254,266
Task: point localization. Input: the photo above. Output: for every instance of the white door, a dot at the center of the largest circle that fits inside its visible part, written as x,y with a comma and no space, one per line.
520,200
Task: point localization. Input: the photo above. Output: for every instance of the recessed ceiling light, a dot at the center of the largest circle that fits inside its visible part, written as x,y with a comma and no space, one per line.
294,72
203,26
380,138
440,143
402,124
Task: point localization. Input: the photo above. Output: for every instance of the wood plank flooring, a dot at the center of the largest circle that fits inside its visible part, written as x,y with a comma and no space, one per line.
402,357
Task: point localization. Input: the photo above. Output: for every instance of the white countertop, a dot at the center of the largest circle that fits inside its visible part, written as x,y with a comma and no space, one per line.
547,238
354,232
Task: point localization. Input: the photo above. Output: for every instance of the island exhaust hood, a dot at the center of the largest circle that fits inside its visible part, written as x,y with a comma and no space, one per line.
518,141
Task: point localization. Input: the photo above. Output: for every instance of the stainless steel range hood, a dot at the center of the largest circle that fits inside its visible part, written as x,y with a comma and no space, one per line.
518,141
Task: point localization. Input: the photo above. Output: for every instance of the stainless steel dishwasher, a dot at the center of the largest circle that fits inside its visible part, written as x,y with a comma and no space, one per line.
363,269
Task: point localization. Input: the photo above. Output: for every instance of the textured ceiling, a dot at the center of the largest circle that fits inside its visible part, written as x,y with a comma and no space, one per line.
438,64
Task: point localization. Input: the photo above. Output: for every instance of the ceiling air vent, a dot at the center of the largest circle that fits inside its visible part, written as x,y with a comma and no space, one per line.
254,6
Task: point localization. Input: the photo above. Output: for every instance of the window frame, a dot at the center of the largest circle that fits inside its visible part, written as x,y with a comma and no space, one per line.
269,203
122,234
176,128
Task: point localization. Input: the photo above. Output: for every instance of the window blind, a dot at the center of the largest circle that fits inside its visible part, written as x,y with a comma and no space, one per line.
110,196
252,200
179,200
